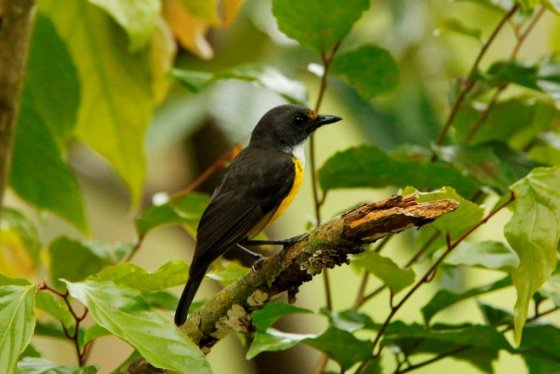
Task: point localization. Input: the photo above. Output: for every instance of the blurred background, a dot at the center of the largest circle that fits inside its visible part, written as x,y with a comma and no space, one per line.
191,131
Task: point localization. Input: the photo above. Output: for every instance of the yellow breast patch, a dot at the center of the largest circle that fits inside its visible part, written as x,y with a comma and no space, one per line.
298,166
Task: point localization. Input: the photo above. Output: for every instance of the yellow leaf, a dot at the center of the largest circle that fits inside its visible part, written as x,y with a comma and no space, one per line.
162,54
230,10
189,30
15,261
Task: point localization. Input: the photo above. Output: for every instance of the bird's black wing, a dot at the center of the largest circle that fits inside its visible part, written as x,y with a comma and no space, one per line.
253,186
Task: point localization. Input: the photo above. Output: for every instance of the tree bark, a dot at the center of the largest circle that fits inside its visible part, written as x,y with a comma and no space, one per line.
16,21
326,246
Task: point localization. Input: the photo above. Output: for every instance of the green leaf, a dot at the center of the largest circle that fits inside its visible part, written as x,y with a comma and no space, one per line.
260,75
495,316
342,347
543,77
372,70
551,288
39,173
516,121
203,9
457,25
385,269
117,102
350,320
171,274
187,211
228,273
371,167
486,254
318,24
272,312
473,335
73,260
52,85
50,329
137,18
484,162
37,365
529,4
273,341
445,298
15,226
6,281
93,333
533,233
453,224
541,338
48,115
54,306
161,300
17,322
126,315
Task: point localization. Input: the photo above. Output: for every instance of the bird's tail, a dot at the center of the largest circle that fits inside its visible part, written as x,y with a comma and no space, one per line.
187,297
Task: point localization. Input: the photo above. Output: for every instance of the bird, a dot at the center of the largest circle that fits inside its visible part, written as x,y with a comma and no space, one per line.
255,190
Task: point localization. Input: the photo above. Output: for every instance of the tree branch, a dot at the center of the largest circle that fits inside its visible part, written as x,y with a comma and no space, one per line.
326,246
16,20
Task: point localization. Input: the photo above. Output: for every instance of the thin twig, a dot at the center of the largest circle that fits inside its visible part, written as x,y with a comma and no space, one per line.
81,353
469,83
521,37
425,278
327,60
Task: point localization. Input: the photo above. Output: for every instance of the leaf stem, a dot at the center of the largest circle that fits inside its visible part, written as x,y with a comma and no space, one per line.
469,83
81,354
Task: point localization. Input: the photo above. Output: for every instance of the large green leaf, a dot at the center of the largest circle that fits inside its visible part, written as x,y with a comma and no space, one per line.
39,173
36,365
318,24
137,18
73,260
483,342
261,75
54,306
445,298
453,224
48,115
541,338
272,312
371,167
473,335
125,314
117,102
273,340
173,273
372,70
492,164
533,232
186,210
385,269
516,121
544,76
17,322
342,347
486,254
52,86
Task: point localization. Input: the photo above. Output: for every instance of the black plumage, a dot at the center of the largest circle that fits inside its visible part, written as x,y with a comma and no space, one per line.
253,187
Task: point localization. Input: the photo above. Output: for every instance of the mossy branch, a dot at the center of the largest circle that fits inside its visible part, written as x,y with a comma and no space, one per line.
326,246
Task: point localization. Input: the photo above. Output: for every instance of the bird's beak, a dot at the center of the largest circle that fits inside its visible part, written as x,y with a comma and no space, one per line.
325,119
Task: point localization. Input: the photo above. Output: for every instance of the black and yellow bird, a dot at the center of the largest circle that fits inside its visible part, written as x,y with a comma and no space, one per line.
256,189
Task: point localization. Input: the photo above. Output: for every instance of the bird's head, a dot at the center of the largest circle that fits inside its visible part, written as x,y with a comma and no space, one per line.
288,125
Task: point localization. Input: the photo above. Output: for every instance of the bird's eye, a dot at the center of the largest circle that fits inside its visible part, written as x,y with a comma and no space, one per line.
299,120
